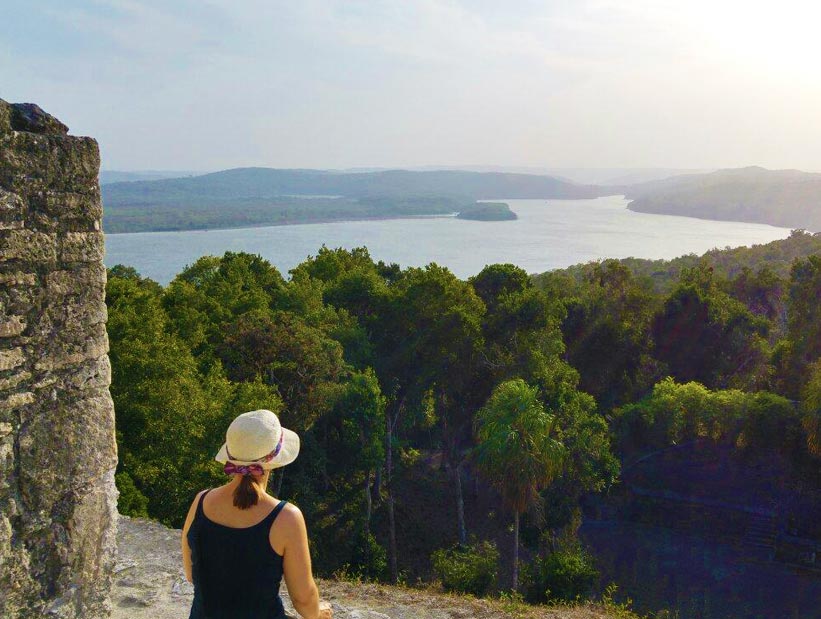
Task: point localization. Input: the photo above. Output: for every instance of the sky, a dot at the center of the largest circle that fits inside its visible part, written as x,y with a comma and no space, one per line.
214,84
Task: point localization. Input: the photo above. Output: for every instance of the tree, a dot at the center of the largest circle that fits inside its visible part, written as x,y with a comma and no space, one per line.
803,325
516,451
811,409
427,335
703,334
211,293
168,413
607,334
301,361
359,414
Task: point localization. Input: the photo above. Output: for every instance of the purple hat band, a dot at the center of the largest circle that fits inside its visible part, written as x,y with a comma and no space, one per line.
254,467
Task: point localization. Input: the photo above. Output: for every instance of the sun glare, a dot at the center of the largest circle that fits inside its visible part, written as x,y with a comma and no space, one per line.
779,38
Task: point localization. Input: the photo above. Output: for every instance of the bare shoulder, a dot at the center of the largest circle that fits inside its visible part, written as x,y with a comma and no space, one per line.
291,517
289,527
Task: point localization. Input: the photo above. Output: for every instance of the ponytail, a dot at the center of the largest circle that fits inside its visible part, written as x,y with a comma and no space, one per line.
247,494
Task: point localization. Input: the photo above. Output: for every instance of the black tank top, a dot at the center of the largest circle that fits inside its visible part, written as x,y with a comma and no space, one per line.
236,573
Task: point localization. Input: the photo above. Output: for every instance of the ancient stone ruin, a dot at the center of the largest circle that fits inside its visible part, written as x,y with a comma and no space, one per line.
57,448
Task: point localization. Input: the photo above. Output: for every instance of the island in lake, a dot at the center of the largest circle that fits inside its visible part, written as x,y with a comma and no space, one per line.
488,211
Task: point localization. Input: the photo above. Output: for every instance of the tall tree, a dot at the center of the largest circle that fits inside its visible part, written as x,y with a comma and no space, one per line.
516,450
359,415
803,346
607,334
429,330
703,334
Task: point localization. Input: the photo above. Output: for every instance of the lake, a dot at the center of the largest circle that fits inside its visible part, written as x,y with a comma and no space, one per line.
549,234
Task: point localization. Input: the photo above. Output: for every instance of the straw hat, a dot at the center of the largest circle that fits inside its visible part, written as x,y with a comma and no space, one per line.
257,438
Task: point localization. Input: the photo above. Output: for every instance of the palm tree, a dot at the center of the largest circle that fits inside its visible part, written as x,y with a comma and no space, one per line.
515,450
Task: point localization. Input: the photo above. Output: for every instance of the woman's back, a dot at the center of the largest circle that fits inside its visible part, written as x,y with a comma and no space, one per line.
238,542
236,570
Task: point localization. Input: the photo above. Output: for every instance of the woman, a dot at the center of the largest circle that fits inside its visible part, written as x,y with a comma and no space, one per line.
238,540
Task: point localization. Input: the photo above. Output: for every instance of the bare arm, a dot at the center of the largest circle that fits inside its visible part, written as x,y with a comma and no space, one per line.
186,551
296,565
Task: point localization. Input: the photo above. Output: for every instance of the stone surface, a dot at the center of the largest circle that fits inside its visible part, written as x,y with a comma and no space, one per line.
57,449
32,118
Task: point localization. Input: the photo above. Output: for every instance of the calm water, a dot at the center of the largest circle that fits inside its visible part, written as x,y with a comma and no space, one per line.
549,234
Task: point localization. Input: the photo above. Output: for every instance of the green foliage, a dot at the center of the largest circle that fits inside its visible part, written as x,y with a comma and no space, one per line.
167,411
369,560
131,501
726,262
567,575
811,409
607,334
470,569
528,384
515,447
703,334
803,325
772,423
674,412
359,414
487,211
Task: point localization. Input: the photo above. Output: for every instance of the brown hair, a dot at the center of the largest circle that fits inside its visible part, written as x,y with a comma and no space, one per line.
247,493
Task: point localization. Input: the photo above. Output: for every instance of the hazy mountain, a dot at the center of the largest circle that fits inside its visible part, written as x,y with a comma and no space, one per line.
123,176
269,182
788,198
265,196
631,176
582,176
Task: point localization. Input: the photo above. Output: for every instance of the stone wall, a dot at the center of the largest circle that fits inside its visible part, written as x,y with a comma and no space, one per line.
57,444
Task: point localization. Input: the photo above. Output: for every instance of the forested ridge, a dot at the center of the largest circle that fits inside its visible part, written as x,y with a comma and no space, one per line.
442,419
787,198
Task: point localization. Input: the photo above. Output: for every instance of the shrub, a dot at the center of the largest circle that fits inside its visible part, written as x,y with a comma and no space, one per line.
470,569
772,422
369,560
131,501
564,575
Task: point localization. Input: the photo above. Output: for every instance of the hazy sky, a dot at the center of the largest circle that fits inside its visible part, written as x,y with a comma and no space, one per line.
210,84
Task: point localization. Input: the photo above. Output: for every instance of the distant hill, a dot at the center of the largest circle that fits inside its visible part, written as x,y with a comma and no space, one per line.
266,196
121,176
788,198
269,182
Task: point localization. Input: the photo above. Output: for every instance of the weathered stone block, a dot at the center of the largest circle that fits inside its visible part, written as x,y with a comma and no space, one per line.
5,118
83,279
82,247
11,204
10,382
11,358
31,117
93,374
17,400
69,205
32,163
28,246
64,350
17,279
11,326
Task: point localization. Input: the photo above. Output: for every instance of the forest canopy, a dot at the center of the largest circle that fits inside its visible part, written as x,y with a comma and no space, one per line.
403,382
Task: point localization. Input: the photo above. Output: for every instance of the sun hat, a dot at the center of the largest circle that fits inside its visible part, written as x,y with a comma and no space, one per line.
256,442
